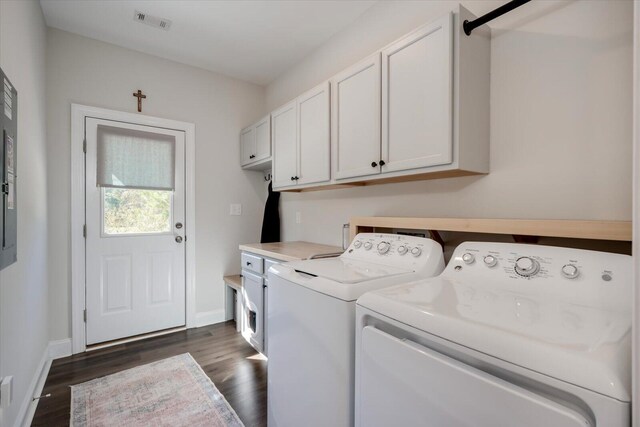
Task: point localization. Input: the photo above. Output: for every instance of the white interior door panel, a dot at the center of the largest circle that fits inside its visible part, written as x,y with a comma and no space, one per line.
135,251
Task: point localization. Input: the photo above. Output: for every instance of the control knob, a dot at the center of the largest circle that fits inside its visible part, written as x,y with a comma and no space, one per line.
416,252
570,271
368,245
490,261
526,266
402,250
357,244
468,258
383,247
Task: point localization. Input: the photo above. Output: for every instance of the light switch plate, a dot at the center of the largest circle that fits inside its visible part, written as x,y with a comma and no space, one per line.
6,389
235,209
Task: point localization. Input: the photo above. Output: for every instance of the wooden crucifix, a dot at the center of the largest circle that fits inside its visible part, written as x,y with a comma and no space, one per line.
140,97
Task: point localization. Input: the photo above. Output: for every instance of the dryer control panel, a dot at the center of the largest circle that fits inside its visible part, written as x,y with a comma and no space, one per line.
395,250
535,268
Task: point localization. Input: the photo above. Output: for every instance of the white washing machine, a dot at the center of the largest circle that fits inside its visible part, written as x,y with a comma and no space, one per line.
507,335
311,315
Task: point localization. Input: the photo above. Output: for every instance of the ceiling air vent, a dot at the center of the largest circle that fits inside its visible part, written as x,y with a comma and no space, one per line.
154,21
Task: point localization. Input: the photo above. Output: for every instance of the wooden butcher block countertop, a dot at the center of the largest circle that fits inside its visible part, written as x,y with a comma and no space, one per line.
290,251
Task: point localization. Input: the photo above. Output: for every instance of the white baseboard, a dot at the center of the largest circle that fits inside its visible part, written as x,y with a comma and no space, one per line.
60,348
28,407
54,350
205,318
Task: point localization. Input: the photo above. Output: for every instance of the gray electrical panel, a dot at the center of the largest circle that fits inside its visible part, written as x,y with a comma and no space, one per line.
8,172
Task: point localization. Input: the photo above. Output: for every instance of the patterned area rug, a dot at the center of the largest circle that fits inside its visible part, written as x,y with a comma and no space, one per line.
170,392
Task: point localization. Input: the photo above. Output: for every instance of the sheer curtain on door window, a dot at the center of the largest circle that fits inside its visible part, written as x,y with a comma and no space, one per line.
136,173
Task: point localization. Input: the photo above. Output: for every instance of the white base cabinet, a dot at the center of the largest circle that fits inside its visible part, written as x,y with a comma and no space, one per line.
253,302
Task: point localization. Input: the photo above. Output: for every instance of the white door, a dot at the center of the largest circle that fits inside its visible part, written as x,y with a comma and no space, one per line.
355,123
135,251
402,383
313,136
417,93
247,145
263,139
283,135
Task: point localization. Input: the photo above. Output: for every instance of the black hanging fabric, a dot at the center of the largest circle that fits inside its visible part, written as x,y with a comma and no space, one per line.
271,221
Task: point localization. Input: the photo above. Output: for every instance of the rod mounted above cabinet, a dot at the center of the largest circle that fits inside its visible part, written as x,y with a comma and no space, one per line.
469,26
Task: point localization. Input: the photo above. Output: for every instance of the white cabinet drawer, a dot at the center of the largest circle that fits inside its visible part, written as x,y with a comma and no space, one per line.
252,263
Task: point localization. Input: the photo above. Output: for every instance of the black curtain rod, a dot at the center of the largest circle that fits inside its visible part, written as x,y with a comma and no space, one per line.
469,26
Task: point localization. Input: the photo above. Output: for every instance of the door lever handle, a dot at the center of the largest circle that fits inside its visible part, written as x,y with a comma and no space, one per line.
179,239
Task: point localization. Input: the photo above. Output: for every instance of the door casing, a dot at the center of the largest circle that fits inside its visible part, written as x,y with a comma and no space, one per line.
78,259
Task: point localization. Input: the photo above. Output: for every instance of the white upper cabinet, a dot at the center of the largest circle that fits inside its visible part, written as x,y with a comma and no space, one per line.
301,141
355,95
263,139
313,136
247,145
255,145
284,137
416,109
417,98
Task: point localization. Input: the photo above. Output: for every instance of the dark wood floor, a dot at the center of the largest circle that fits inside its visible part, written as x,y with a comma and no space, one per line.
232,364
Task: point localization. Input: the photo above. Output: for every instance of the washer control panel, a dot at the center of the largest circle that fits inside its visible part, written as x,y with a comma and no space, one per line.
512,262
393,249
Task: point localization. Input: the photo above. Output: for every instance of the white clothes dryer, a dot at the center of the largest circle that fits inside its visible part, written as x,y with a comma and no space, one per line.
508,335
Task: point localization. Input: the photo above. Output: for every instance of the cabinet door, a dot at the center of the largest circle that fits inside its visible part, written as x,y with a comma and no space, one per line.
313,135
284,135
417,98
263,139
253,328
247,145
265,321
355,123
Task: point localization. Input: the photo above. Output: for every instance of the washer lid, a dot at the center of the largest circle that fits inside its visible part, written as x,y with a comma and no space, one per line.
587,345
345,270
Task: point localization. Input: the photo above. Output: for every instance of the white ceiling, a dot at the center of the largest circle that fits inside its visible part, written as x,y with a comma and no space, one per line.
251,40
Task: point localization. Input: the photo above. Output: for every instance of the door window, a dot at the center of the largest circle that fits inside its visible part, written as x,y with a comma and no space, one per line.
127,211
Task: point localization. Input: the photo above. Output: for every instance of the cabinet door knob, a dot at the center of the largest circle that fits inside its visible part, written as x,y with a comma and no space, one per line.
382,163
296,178
374,164
293,178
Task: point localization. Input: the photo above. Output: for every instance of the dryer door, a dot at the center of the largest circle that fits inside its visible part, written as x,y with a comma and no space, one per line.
404,383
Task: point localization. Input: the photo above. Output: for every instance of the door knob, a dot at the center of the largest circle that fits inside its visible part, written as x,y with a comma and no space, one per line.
381,162
178,225
179,239
374,164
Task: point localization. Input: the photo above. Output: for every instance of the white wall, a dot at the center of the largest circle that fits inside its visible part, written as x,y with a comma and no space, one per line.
89,72
560,118
23,285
